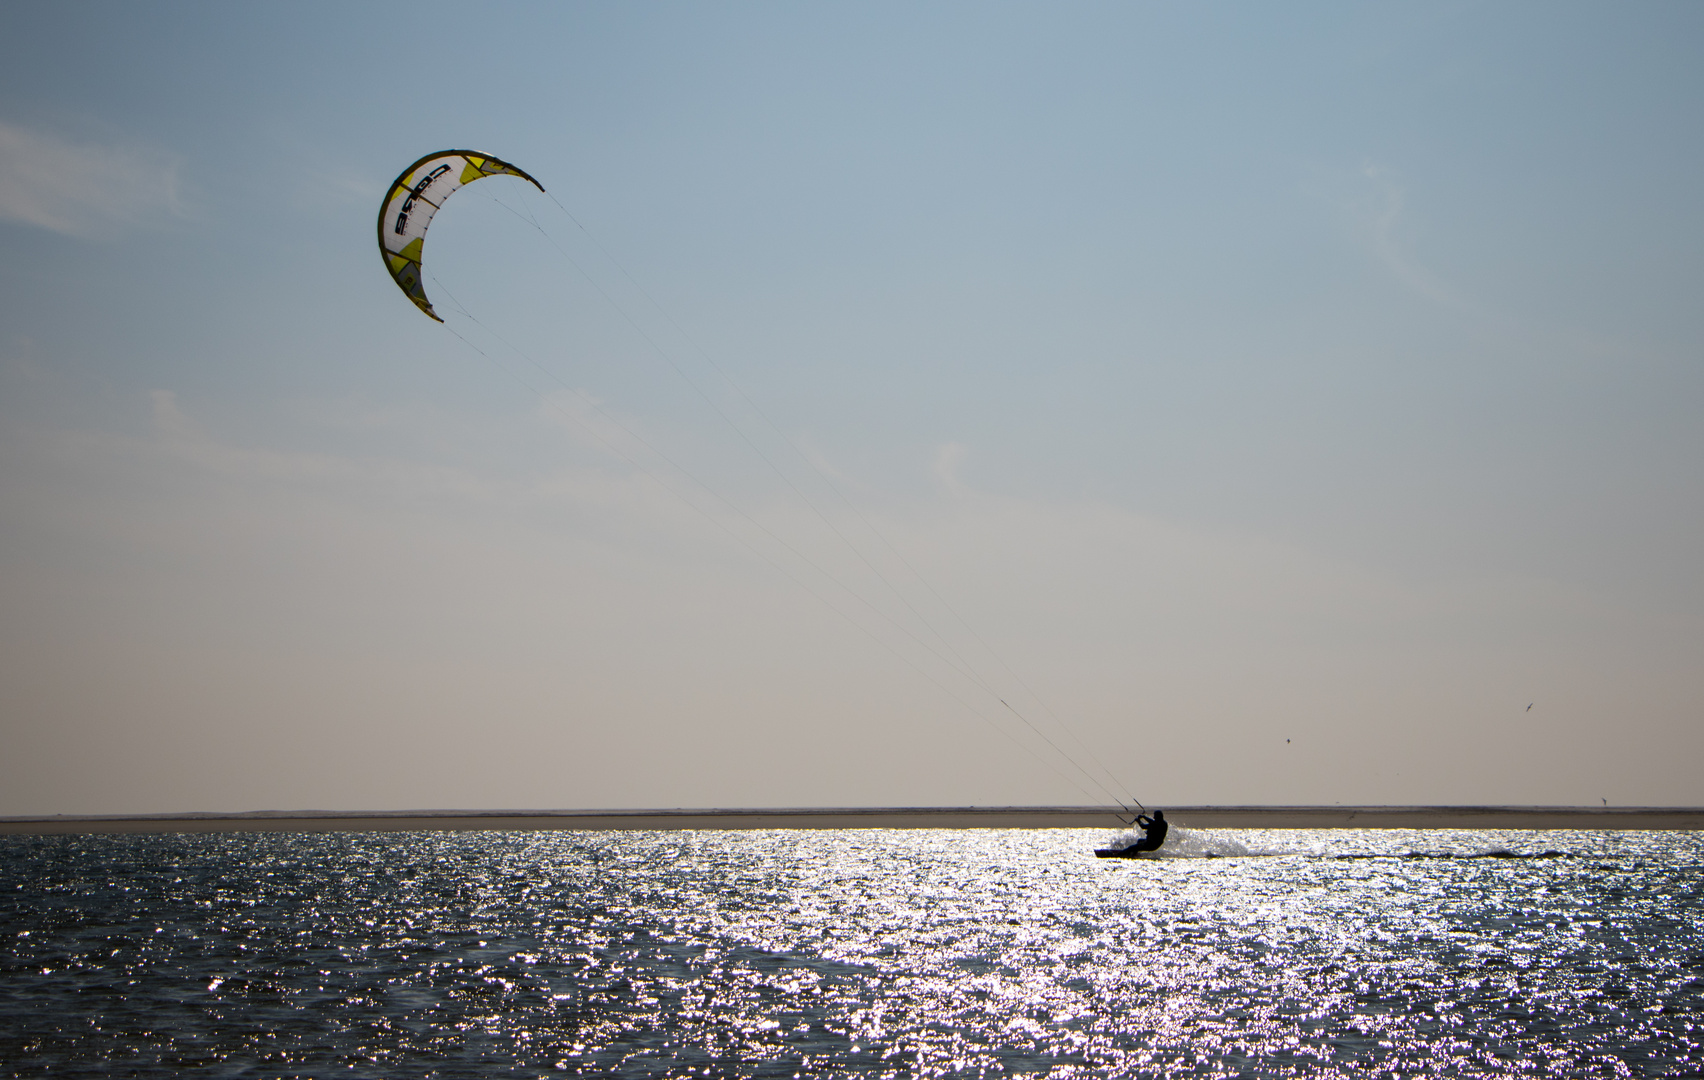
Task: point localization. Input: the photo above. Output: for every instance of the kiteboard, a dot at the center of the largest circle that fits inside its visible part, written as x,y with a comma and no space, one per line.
1124,853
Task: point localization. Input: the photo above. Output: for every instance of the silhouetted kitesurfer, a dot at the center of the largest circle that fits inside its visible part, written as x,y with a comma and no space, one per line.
1153,835
1153,832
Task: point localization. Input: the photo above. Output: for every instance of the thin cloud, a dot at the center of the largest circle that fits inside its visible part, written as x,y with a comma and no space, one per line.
355,600
322,192
948,458
1387,222
1387,219
83,189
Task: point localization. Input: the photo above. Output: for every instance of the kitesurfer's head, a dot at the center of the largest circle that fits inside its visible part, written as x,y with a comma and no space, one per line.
1159,815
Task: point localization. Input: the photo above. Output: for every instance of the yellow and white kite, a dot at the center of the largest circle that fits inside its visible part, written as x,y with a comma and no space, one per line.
415,197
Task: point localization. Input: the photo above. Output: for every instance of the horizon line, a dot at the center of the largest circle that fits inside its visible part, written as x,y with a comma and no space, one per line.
1274,816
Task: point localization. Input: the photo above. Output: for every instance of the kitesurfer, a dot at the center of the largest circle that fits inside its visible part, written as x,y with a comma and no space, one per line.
1153,832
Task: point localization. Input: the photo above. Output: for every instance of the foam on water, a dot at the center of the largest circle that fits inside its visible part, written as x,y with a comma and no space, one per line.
1186,843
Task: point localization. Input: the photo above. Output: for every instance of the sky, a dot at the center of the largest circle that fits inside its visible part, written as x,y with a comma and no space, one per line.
886,405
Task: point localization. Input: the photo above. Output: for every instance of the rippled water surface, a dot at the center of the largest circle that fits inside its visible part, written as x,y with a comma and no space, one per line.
868,952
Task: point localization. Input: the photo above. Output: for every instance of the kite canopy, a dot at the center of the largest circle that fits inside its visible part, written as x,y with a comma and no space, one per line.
415,197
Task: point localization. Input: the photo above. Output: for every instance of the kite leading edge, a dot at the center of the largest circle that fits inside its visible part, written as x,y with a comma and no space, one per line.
412,200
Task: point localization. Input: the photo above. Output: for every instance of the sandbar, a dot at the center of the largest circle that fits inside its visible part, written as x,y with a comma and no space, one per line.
930,817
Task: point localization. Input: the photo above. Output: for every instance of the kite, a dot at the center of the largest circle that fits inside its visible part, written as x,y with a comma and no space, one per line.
415,197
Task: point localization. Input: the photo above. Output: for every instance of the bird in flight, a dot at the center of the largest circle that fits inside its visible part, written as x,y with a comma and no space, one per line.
1529,707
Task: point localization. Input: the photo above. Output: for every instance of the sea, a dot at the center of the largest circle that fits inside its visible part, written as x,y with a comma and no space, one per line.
867,953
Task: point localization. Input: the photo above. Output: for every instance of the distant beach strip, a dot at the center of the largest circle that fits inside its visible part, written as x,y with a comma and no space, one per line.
955,817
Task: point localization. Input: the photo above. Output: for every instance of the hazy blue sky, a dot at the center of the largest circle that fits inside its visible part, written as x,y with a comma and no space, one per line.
1285,397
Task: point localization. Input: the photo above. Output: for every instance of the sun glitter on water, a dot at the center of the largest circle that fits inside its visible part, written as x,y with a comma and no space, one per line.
856,953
